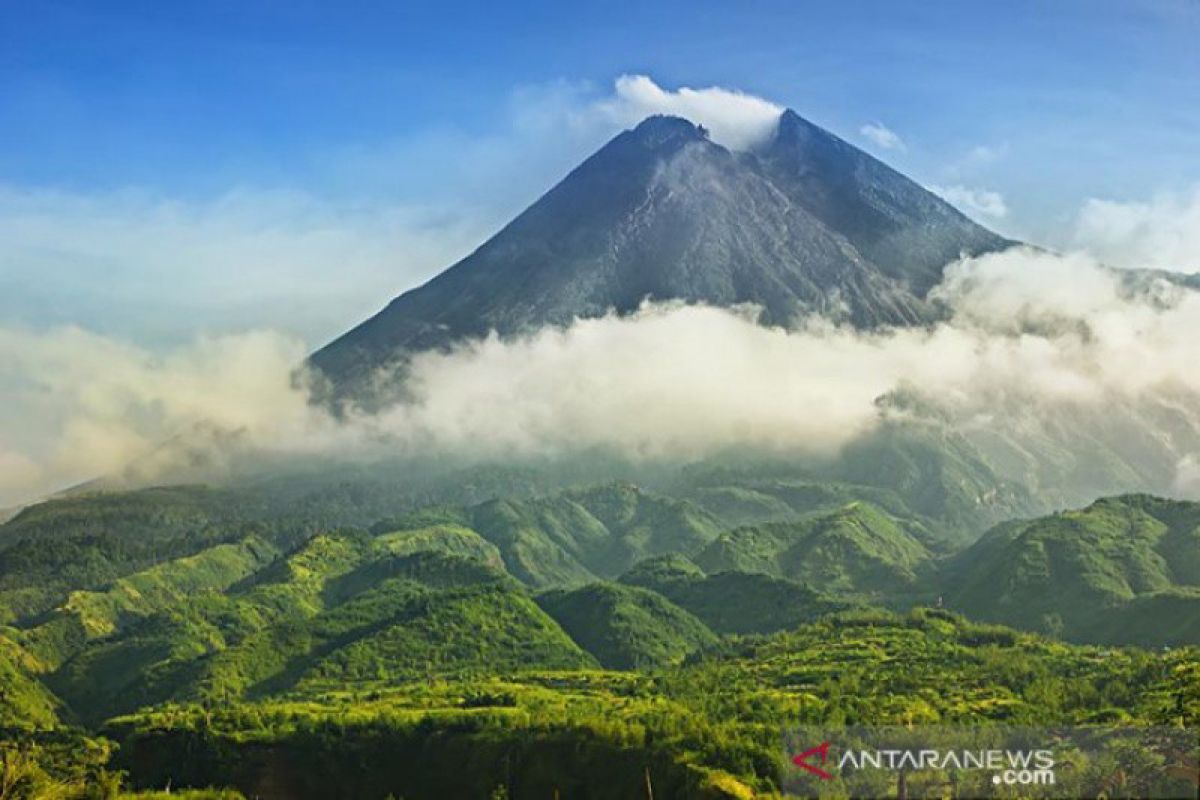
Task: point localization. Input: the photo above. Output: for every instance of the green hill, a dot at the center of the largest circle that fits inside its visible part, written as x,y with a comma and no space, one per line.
939,474
751,497
88,541
626,627
178,651
1123,570
420,648
587,533
732,602
858,550
342,607
92,615
25,703
450,539
708,728
576,536
485,629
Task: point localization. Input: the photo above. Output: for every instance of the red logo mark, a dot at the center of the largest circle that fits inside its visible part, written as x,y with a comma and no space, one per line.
801,760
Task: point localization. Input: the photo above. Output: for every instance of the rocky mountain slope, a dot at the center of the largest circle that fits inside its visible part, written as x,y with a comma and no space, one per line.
805,224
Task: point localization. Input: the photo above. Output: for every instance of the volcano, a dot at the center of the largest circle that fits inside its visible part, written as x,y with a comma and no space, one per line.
803,224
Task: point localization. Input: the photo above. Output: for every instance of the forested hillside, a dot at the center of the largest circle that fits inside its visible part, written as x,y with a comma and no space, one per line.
604,630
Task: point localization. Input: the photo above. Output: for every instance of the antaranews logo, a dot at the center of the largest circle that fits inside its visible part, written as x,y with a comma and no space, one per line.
942,761
1011,767
801,760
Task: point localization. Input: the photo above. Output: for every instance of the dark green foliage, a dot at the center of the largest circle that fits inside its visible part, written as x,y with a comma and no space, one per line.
658,571
1123,570
625,627
766,494
856,550
706,729
414,660
24,701
90,540
86,541
342,608
732,602
479,630
92,615
579,535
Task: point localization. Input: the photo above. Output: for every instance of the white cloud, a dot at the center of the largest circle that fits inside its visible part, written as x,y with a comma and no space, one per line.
1163,232
79,405
734,119
974,202
1187,479
881,136
20,478
1032,334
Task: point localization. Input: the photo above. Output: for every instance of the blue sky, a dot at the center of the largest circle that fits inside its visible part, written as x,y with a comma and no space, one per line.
172,168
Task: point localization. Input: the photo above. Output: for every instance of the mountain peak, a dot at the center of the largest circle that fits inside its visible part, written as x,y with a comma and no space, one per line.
789,117
659,127
806,224
792,125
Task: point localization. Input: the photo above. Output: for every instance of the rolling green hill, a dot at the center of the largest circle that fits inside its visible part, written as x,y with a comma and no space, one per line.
484,628
344,607
940,474
857,550
1123,570
88,616
575,536
707,729
626,627
588,533
481,629
732,602
87,541
25,703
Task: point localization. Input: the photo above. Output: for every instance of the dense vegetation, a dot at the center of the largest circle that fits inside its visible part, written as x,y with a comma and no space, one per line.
625,627
587,641
855,550
708,728
1124,570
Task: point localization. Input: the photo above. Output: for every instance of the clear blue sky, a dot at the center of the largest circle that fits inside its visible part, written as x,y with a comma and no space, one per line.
350,116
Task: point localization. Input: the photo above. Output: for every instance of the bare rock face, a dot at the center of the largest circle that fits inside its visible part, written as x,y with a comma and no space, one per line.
805,224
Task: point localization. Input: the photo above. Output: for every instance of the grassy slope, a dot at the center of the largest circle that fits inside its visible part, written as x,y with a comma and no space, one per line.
24,701
478,629
176,652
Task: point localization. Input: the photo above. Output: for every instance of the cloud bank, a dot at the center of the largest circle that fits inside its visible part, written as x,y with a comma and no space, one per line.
1032,335
1163,232
80,405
